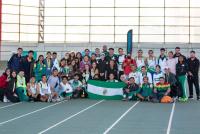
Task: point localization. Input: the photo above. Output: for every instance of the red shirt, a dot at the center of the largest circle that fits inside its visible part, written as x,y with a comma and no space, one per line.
3,82
127,65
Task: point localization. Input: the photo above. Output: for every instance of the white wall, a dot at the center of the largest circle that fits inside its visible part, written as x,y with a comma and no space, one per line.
8,48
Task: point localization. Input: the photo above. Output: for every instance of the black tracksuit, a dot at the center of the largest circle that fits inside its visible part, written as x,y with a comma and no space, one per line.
193,66
10,91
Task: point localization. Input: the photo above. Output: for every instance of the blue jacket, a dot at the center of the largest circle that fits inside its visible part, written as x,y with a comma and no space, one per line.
14,62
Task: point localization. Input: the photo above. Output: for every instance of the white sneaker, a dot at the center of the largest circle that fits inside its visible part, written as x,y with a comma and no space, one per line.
5,99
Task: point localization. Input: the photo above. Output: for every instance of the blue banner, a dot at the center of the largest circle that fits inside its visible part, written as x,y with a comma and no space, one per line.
129,42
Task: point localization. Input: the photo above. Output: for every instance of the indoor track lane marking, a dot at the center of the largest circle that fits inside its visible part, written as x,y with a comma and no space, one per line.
171,118
122,116
35,111
68,118
10,105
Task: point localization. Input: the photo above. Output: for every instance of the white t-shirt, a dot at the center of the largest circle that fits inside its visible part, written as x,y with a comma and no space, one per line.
33,88
66,87
141,76
44,88
140,62
136,76
156,77
121,59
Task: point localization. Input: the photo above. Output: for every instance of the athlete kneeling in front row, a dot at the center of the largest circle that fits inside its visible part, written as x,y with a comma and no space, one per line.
131,91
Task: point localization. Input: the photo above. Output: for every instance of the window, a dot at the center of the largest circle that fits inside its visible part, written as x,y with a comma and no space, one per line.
102,20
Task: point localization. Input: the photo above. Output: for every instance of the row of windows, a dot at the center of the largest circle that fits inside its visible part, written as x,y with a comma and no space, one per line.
56,21
108,3
60,38
14,28
194,12
86,20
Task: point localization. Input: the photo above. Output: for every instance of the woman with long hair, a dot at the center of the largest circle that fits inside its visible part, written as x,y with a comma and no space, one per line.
112,68
10,91
94,70
4,79
39,68
181,72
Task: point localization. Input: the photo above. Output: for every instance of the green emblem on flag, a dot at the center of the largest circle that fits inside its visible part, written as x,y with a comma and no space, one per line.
105,91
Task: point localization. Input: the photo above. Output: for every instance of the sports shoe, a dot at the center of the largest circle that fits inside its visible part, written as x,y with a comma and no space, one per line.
5,99
125,99
198,98
190,97
183,99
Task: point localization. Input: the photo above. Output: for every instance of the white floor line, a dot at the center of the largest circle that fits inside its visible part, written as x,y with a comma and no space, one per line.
122,116
10,105
35,111
171,118
68,118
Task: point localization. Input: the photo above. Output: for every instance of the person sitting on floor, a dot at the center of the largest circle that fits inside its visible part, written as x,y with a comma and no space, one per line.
64,89
33,89
161,89
21,87
76,86
131,91
146,89
45,89
4,79
10,91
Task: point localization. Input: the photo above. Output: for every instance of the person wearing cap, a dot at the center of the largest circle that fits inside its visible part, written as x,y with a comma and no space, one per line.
131,91
27,65
111,55
162,59
102,67
171,62
140,60
193,74
171,79
14,61
120,59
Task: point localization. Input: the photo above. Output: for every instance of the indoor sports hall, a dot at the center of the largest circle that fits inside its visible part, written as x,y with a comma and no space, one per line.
101,104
